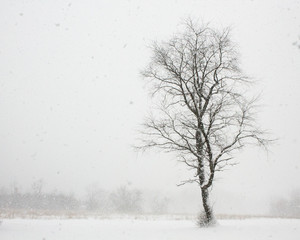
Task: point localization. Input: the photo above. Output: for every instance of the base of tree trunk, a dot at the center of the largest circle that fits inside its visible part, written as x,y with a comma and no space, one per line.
204,221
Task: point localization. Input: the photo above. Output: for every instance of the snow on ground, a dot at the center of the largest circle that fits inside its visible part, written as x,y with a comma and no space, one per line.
143,229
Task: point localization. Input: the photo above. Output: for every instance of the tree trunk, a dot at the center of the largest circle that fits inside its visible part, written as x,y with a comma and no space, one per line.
208,218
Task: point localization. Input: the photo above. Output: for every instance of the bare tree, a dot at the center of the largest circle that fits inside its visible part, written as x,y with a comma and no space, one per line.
37,187
96,198
127,200
204,115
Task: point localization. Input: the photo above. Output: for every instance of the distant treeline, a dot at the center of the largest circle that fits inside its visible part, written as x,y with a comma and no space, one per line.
121,200
288,206
53,201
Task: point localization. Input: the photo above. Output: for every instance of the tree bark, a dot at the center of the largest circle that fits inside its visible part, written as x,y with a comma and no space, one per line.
209,217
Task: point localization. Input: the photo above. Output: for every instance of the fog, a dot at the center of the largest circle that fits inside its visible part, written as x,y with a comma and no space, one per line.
72,98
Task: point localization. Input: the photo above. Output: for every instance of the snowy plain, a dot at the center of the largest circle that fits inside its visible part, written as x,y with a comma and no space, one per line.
130,228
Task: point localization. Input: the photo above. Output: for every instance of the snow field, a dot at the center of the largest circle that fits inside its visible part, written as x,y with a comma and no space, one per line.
137,229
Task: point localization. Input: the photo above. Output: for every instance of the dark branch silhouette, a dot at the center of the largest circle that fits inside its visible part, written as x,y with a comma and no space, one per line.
204,115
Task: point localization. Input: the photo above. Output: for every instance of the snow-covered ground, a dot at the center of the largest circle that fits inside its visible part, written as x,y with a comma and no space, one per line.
141,229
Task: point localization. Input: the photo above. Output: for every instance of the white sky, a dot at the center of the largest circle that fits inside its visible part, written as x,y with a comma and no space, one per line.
71,98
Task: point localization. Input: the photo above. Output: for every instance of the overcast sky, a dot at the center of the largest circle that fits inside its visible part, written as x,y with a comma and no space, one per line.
71,97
